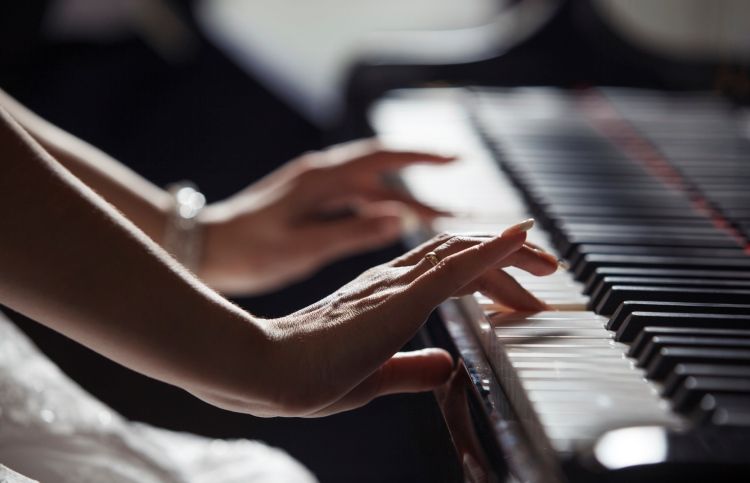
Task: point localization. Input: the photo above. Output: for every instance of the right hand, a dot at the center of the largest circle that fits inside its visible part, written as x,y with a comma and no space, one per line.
338,354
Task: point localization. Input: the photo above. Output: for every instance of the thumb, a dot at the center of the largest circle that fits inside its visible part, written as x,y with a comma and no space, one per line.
405,372
415,371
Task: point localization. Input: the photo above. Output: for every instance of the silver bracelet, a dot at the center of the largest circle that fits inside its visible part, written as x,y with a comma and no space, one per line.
182,235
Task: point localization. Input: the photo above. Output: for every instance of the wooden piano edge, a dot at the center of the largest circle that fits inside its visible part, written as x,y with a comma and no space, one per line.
491,442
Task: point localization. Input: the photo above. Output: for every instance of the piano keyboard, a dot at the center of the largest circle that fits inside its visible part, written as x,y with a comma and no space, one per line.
645,196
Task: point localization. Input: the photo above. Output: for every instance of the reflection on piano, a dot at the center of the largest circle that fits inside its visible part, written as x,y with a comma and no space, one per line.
642,373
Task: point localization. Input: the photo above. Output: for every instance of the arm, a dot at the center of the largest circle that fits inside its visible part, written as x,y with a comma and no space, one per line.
143,203
73,263
251,239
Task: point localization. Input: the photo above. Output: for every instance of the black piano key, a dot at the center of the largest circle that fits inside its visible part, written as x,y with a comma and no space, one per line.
671,251
593,281
610,281
658,342
574,241
636,321
668,357
636,212
686,225
725,410
682,371
575,169
630,306
690,393
607,283
594,261
548,200
736,213
618,294
618,192
565,234
644,337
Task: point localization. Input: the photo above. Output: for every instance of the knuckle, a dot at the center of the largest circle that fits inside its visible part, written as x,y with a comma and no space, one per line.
443,236
456,242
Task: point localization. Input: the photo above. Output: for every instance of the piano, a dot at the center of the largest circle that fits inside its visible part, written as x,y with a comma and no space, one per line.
642,370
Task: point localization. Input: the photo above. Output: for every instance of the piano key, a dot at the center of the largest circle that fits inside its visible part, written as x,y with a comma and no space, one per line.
682,371
658,342
674,251
630,306
602,290
689,394
574,242
623,212
594,261
647,333
618,294
665,225
569,230
636,321
669,357
602,272
726,409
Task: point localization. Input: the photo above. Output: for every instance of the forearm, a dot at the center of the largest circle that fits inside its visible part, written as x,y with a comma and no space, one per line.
71,262
143,203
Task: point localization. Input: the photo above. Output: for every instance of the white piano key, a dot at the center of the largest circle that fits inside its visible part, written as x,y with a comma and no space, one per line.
564,332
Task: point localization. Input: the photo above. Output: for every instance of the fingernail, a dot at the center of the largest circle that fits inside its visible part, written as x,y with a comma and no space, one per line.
562,264
525,225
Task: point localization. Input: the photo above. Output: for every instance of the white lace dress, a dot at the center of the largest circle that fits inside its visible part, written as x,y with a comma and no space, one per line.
53,431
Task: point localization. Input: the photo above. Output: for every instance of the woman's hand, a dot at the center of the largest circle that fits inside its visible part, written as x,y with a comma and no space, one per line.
318,208
338,354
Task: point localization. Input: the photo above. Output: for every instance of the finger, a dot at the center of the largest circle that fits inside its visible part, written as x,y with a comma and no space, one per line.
341,237
391,194
383,160
505,290
460,269
536,262
405,372
415,255
370,155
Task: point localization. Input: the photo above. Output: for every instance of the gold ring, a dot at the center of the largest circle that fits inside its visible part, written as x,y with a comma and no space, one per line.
432,258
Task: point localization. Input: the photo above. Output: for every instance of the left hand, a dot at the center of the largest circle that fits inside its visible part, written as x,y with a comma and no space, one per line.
318,208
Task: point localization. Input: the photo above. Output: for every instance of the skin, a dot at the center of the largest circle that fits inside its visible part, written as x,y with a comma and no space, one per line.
251,239
87,266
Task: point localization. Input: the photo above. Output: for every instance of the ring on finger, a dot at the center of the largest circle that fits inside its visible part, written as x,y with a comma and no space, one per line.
432,257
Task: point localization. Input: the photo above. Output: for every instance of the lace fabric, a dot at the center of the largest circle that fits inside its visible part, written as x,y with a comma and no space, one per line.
52,430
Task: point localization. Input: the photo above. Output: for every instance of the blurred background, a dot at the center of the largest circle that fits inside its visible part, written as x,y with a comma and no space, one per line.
223,91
